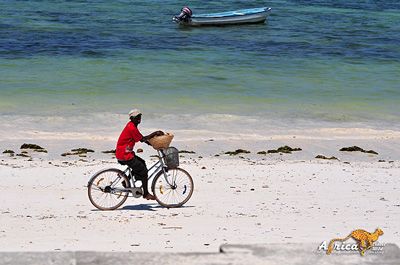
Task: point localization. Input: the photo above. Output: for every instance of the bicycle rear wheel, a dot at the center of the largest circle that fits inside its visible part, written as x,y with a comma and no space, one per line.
173,189
106,189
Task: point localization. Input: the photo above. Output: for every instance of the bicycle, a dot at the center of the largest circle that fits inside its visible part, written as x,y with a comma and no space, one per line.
172,186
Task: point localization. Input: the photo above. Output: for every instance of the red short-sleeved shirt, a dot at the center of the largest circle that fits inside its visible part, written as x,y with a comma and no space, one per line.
126,141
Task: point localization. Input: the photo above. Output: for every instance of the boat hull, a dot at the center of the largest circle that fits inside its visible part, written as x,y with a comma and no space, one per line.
247,16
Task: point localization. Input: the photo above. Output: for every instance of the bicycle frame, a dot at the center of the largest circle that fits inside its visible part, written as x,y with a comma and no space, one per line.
155,168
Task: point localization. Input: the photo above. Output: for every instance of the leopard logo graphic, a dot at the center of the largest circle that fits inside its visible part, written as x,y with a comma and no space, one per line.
364,239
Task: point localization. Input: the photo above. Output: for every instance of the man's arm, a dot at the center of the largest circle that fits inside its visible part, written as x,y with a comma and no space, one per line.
151,135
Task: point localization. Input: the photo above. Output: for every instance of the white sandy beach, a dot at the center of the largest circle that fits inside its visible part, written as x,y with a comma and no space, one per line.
248,198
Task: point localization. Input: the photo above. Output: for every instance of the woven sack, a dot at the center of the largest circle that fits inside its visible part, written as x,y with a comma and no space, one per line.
161,142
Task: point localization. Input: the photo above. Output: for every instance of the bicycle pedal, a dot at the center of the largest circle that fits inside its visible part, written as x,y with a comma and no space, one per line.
136,192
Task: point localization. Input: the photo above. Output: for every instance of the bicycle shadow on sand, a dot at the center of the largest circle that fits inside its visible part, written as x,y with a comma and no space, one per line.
146,207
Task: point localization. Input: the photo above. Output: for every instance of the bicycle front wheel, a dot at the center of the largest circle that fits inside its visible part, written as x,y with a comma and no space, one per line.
106,189
172,189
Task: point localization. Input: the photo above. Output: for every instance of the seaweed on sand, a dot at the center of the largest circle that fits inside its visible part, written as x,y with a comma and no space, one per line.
357,149
186,152
284,149
78,151
112,151
237,151
31,146
328,158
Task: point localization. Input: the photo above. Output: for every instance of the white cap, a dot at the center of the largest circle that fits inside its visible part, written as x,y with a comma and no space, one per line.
134,113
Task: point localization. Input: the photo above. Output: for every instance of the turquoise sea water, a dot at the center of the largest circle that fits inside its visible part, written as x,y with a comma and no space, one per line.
314,61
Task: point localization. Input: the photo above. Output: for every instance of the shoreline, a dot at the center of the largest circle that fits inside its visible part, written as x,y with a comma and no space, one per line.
106,124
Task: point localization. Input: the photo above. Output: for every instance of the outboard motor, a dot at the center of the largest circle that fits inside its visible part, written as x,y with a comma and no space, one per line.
184,16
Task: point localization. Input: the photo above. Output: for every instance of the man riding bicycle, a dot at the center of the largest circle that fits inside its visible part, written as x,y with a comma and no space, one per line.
124,150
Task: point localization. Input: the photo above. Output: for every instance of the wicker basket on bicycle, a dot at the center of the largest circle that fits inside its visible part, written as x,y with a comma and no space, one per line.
161,142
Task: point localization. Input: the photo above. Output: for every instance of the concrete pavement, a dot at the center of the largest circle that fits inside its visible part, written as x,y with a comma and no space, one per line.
266,254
